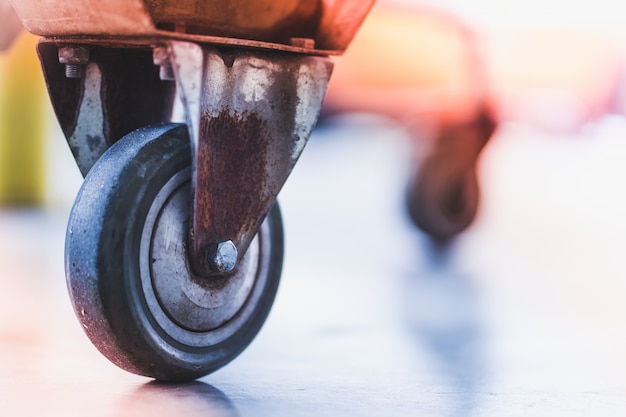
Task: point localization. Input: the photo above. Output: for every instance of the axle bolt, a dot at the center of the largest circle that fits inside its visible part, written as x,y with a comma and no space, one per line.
223,256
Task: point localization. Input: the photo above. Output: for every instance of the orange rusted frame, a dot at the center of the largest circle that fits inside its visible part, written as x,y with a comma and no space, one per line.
314,26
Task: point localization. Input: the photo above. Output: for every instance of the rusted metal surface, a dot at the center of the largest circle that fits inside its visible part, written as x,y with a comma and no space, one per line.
117,91
268,20
84,17
249,115
263,24
232,160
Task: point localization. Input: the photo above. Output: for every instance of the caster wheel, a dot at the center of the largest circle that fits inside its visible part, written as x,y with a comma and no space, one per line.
127,269
442,200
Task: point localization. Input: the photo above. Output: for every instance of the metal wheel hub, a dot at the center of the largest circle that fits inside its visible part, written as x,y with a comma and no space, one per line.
174,294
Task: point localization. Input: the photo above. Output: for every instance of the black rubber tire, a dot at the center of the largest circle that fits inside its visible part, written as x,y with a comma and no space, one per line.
102,261
443,199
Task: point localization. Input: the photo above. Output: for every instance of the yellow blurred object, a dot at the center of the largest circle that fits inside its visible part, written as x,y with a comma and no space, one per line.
22,125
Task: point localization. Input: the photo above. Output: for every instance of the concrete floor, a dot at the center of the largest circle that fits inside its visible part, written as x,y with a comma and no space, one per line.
525,315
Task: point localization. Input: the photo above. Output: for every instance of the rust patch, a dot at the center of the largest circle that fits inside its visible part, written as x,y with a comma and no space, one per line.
230,191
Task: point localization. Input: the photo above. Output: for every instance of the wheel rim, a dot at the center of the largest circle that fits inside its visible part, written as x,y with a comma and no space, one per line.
193,310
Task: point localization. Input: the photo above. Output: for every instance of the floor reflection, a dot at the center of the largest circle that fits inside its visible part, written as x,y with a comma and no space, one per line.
193,399
443,316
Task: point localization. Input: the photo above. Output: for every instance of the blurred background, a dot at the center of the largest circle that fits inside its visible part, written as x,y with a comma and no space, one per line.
496,127
555,66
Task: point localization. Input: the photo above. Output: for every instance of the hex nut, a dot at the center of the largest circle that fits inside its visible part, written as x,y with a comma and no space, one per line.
73,55
223,256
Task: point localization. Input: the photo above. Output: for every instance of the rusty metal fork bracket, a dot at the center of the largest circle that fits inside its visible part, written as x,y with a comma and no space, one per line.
250,114
102,92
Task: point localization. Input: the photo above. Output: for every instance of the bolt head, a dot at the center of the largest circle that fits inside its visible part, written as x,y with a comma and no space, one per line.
73,55
223,256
